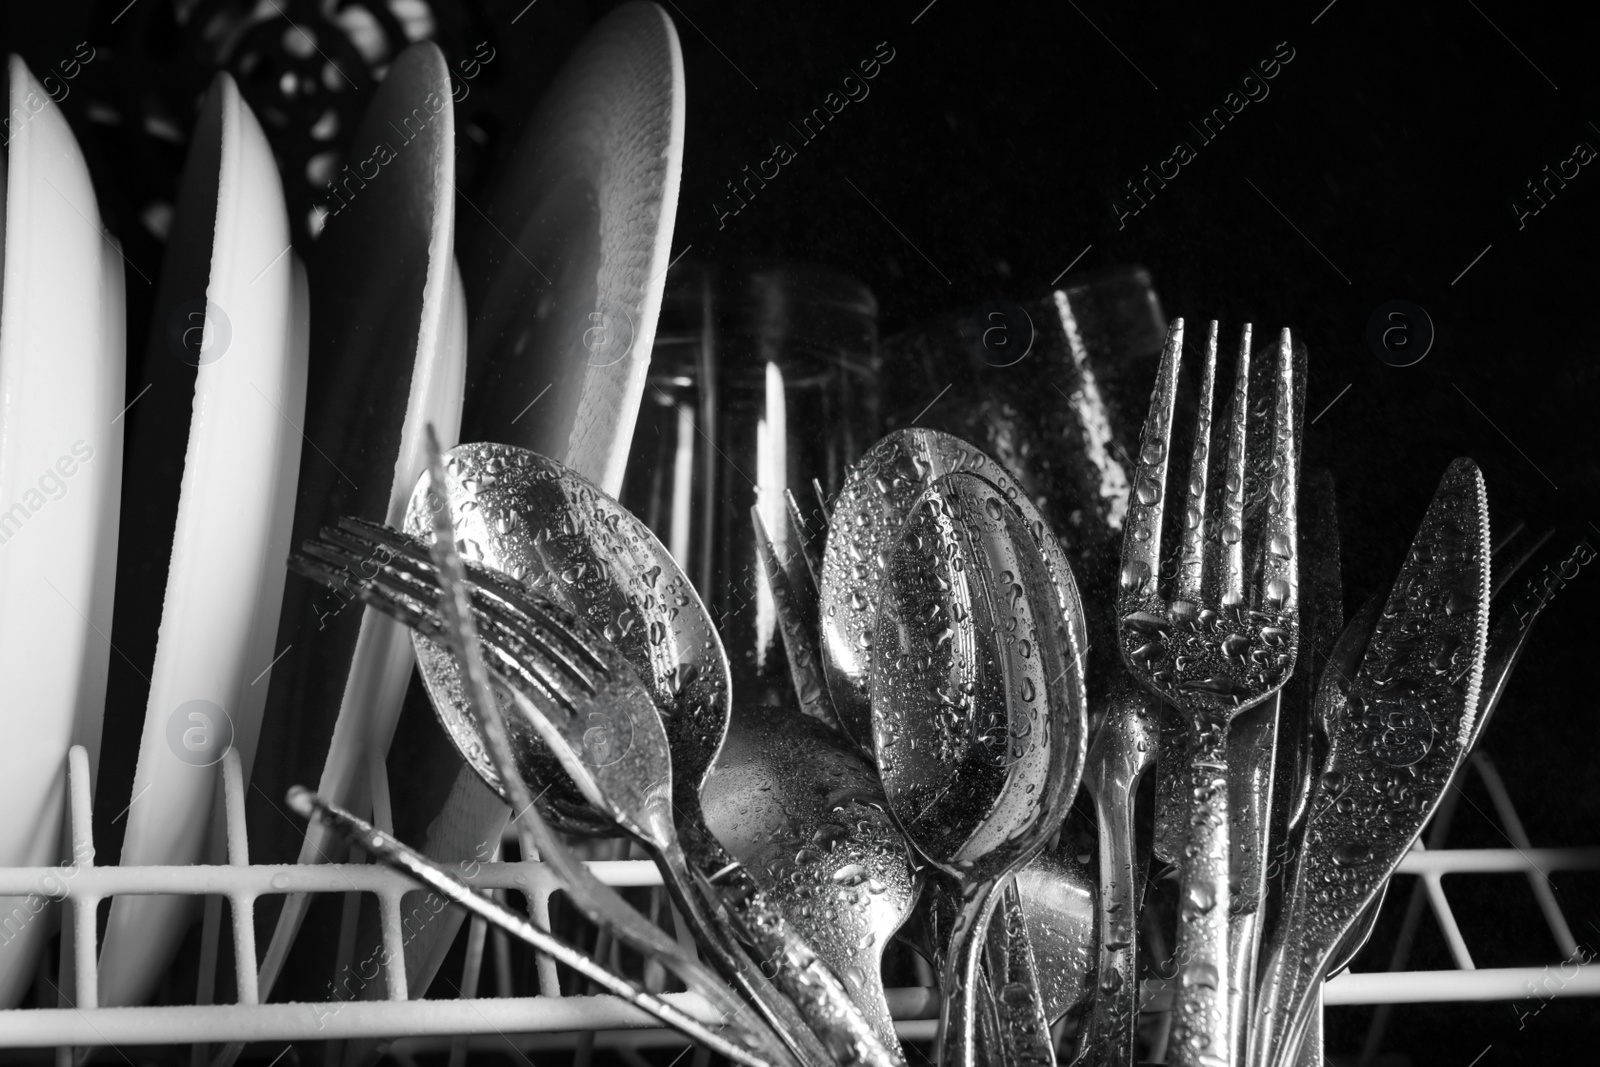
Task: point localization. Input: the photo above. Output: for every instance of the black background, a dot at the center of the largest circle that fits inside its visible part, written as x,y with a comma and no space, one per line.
1384,161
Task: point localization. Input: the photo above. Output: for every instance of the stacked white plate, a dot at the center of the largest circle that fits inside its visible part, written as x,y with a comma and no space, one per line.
230,462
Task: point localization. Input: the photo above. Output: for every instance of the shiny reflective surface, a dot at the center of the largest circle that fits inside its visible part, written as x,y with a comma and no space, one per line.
977,705
1058,902
1219,644
798,806
1400,731
1124,749
559,537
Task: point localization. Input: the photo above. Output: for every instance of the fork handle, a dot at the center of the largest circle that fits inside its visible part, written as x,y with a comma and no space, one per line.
1202,1028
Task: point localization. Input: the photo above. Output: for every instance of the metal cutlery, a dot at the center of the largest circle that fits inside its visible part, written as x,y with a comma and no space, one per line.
1124,748
977,707
867,519
538,648
555,533
867,516
796,804
1398,735
1057,892
609,739
1214,648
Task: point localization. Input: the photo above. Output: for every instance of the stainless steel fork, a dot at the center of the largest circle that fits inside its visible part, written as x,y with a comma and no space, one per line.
1218,642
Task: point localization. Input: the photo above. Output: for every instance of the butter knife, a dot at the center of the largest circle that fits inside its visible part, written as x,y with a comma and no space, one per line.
1405,724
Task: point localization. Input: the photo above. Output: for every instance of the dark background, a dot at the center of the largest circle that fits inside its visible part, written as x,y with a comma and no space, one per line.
986,159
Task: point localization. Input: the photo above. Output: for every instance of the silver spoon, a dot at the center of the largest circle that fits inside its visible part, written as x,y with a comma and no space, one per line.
867,517
796,804
977,707
866,523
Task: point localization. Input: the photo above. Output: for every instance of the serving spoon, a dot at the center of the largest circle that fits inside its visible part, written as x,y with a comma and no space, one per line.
977,708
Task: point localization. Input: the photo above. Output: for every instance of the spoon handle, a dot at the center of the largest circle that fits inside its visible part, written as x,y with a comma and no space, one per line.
813,1011
1201,1034
719,943
958,1046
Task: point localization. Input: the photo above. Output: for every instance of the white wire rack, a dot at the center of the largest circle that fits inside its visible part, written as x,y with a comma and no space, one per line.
551,1020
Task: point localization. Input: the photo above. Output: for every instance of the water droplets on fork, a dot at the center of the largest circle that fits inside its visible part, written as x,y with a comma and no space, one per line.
1209,638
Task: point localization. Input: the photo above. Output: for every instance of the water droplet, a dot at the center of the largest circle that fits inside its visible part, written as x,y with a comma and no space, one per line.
1280,545
1231,534
1200,976
1277,592
1153,452
1135,573
1352,854
850,875
1149,491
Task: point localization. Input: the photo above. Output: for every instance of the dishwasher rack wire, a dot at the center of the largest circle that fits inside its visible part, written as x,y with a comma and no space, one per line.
550,1020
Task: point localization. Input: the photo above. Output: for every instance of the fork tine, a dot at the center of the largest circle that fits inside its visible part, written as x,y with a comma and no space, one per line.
804,581
822,502
491,592
1230,530
418,615
521,634
532,621
1280,565
1141,549
799,642
1192,562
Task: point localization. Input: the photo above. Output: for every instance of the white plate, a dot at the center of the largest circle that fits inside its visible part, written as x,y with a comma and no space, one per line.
62,363
225,580
390,341
566,318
